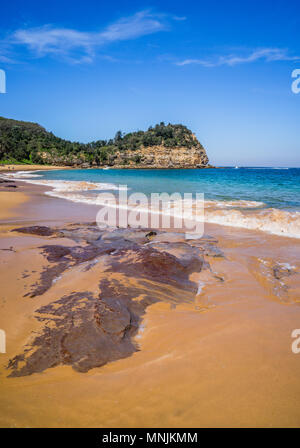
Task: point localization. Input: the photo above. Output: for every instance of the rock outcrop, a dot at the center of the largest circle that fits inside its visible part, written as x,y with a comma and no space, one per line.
161,157
129,270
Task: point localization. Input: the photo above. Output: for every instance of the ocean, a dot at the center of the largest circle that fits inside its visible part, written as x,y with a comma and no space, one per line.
266,199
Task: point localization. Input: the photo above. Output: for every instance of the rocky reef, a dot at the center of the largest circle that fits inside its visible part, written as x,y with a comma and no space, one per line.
132,269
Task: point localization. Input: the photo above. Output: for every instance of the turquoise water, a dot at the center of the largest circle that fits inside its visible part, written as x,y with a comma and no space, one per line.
276,188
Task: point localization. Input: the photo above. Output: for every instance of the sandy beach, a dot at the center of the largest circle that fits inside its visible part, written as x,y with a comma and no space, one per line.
29,167
211,344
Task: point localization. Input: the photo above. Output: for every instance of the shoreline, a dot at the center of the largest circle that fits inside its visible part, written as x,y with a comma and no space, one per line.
38,191
11,167
237,330
237,214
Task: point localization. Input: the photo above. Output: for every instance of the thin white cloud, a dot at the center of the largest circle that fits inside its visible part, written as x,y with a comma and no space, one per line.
81,46
140,24
265,54
46,40
4,59
179,18
5,54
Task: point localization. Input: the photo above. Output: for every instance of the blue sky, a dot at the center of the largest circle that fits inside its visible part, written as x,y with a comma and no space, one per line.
223,68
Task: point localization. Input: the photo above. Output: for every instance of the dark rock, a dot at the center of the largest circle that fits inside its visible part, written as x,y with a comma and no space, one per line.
47,277
55,253
188,256
100,335
281,270
148,262
151,234
36,230
85,330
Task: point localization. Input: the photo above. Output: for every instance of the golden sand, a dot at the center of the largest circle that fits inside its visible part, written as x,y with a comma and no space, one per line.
11,167
223,360
9,203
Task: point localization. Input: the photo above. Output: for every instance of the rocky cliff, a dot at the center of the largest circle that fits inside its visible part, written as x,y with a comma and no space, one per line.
160,157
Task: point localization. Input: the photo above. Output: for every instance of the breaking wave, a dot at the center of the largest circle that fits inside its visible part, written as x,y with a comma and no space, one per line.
61,188
275,221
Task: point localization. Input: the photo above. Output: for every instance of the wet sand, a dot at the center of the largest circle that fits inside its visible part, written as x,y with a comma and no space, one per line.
221,357
9,202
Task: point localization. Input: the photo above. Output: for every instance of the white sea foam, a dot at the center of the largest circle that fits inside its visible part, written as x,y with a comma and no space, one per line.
59,187
248,215
270,220
20,175
233,204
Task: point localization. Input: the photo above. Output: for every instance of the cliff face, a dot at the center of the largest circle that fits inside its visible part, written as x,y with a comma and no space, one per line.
160,157
155,157
161,146
151,157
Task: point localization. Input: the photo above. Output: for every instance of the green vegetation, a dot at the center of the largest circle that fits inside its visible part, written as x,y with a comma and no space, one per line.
25,142
170,135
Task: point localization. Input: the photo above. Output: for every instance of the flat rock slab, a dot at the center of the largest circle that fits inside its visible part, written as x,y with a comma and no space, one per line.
87,330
